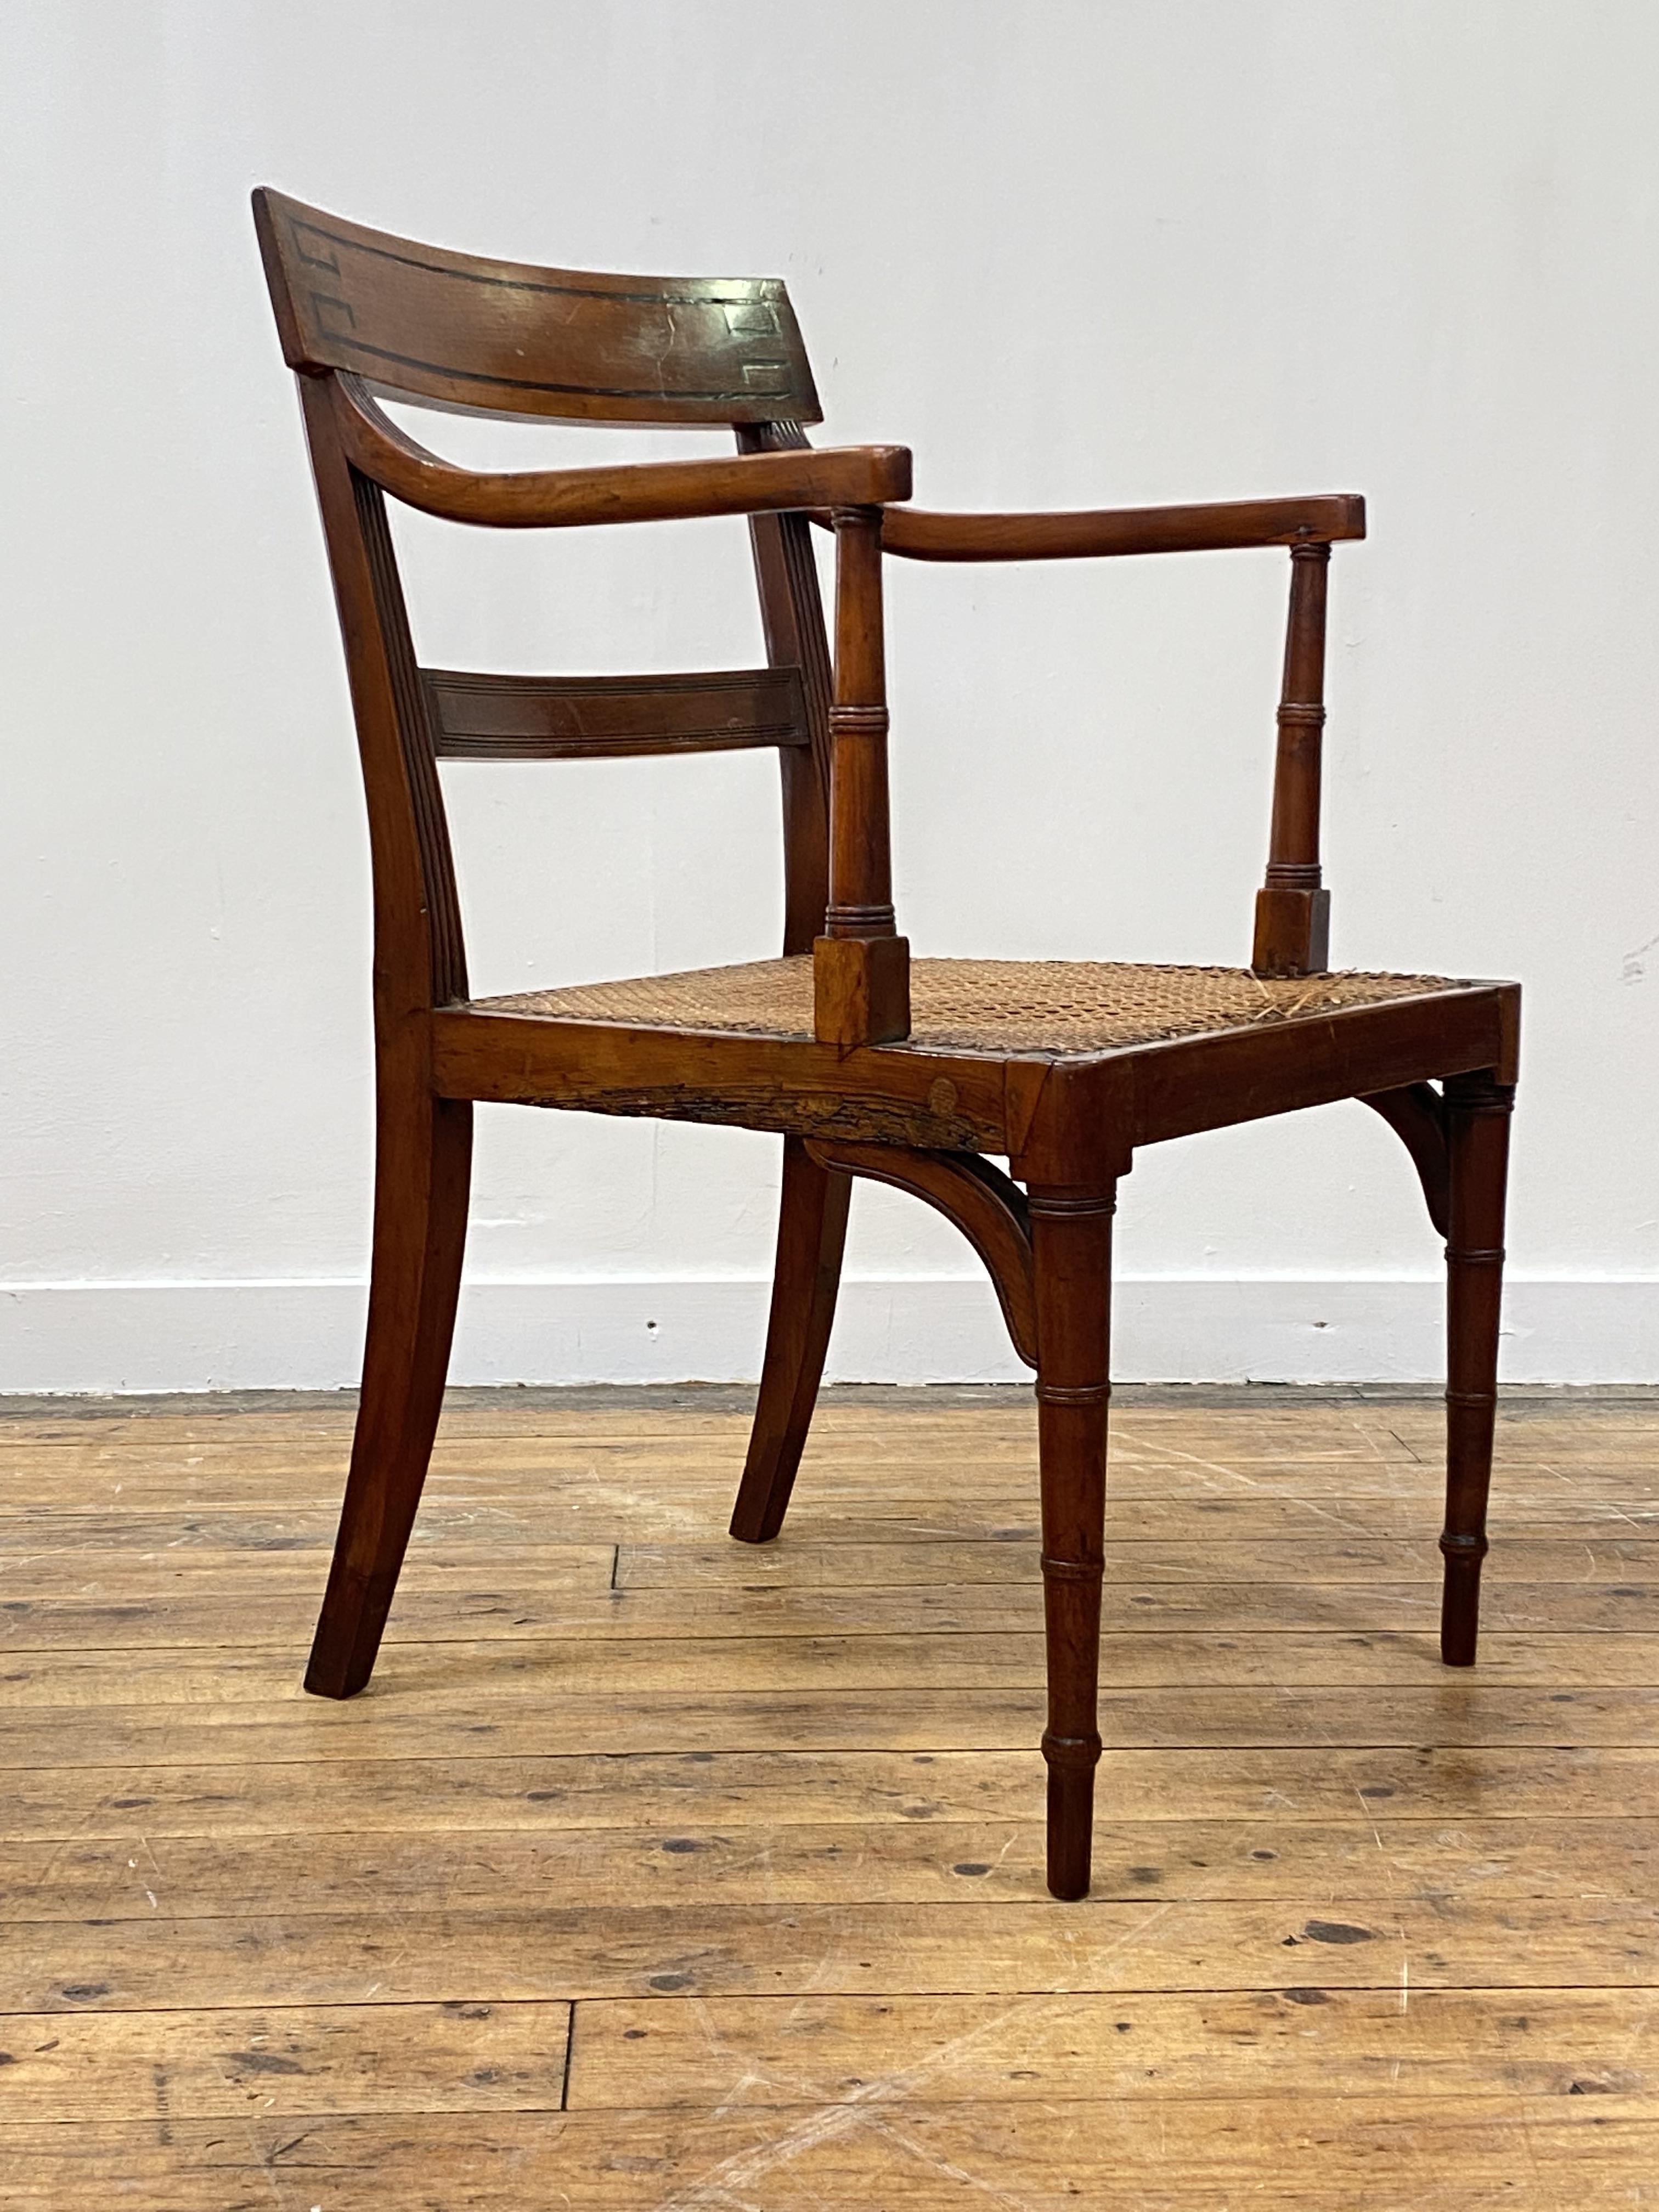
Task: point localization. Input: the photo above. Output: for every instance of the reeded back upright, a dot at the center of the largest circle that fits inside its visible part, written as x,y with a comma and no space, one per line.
450,330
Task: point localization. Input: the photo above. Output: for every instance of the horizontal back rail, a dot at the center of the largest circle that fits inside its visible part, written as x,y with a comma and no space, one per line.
484,717
504,338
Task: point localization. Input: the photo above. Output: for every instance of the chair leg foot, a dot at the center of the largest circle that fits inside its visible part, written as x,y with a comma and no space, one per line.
1477,1135
424,1152
1072,1249
348,1638
1459,1604
811,1236
1071,1822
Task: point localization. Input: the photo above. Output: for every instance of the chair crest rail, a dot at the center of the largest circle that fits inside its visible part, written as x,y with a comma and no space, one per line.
470,335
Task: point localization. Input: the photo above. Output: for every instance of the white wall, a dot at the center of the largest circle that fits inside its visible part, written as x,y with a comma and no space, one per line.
1075,251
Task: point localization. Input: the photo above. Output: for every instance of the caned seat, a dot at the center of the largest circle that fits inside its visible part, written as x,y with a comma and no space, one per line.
1048,1009
922,1074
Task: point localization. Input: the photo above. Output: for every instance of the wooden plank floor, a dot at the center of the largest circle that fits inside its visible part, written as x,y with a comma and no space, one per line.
657,1872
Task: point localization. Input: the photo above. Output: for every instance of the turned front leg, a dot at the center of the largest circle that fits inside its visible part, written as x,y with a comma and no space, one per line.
1478,1142
1072,1247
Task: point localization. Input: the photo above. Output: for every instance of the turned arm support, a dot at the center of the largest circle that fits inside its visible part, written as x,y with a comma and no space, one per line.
861,965
1293,909
650,491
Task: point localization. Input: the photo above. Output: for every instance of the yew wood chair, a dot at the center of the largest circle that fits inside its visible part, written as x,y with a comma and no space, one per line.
917,1073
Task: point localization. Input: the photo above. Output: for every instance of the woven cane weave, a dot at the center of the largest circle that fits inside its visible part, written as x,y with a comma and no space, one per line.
1059,1006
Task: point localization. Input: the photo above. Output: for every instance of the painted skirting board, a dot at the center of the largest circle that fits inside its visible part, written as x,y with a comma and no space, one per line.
261,1334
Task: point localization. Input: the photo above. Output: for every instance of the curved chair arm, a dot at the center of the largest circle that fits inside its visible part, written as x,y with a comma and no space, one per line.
650,491
1091,534
1292,912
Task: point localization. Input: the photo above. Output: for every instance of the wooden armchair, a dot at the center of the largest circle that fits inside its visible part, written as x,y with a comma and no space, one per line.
867,1062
